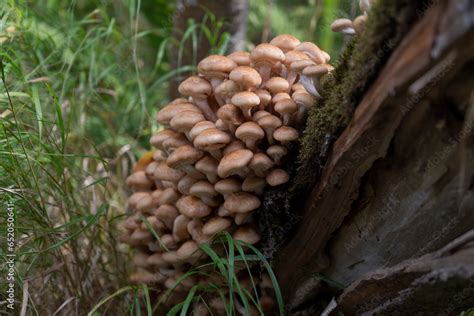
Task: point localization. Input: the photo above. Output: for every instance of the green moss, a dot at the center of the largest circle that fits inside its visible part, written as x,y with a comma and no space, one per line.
355,71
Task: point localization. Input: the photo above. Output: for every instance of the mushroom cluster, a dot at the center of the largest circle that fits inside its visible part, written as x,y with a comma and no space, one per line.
348,27
221,145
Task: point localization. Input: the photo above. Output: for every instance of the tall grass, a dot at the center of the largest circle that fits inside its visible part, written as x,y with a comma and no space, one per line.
80,87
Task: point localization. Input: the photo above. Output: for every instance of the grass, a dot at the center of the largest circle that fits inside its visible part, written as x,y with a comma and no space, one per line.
81,84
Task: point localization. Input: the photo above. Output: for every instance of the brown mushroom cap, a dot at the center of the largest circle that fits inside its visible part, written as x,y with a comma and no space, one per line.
186,120
139,181
242,202
246,77
183,155
169,196
246,101
228,186
294,56
259,114
195,86
313,51
189,250
146,205
164,172
269,123
216,66
254,184
215,225
299,65
234,162
156,259
277,177
246,234
212,139
267,54
192,207
260,164
280,96
277,152
233,146
240,58
359,23
165,115
277,84
171,143
344,26
250,133
227,89
285,134
184,185
315,71
166,213
180,227
264,96
203,189
135,198
286,108
199,127
285,42
208,166
231,115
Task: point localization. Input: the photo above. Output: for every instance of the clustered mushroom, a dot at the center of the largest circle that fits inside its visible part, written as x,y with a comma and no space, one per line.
348,27
221,146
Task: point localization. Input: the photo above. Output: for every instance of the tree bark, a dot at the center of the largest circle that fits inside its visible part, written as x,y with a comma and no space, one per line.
398,183
232,12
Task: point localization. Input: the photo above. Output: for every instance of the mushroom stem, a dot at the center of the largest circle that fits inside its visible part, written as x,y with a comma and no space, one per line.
216,153
265,71
291,78
269,133
205,108
308,84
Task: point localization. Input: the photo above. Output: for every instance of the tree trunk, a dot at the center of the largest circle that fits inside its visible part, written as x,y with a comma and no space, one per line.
234,15
398,185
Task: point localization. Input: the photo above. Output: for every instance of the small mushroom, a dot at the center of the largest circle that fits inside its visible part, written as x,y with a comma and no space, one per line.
208,166
286,108
189,251
184,185
285,42
226,90
193,207
313,51
277,152
277,84
183,159
359,23
231,115
216,225
265,98
216,68
343,26
277,177
203,189
212,140
264,57
233,146
169,196
167,214
254,184
240,58
165,173
180,227
250,133
246,101
199,89
242,202
198,128
269,123
285,134
186,120
246,77
227,186
260,164
310,79
246,234
234,163
165,115
138,181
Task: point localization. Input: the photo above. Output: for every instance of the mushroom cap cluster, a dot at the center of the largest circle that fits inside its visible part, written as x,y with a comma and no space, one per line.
348,27
222,144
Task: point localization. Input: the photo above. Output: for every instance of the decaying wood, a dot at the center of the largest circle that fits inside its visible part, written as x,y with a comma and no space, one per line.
417,109
439,283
